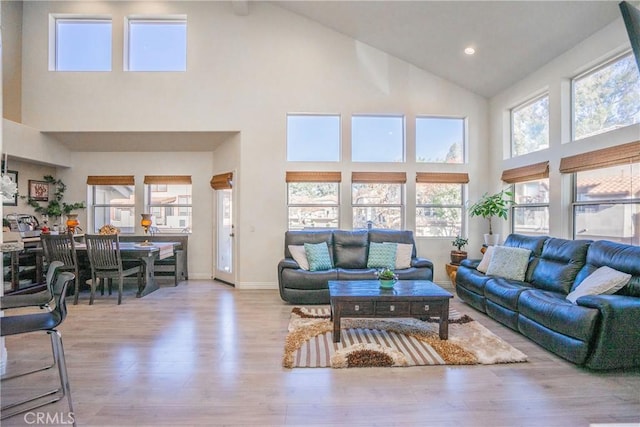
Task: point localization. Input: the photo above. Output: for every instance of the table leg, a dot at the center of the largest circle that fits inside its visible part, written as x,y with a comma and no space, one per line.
444,321
150,283
335,313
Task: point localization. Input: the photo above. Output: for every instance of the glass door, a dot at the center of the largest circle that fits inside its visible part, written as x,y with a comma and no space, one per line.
225,235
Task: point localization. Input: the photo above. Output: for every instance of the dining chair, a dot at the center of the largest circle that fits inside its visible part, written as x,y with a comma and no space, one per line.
106,262
44,322
61,247
38,299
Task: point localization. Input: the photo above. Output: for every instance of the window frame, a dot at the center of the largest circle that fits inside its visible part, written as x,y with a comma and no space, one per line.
584,74
401,205
335,206
519,205
170,209
93,206
339,141
462,206
167,19
403,148
521,106
54,18
465,133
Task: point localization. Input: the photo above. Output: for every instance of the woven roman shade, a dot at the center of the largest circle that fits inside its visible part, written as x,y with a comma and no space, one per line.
110,180
612,156
379,177
526,173
222,181
442,178
304,176
167,179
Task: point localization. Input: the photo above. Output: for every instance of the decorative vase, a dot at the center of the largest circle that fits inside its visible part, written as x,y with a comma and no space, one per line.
387,284
72,222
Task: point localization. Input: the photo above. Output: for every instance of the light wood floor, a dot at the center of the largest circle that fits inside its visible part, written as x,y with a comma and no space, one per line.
204,353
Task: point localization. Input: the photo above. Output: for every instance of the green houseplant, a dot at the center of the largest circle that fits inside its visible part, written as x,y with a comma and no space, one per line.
490,206
55,207
458,255
387,278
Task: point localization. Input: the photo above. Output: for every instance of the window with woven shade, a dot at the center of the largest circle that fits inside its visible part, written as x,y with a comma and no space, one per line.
168,198
313,199
112,202
530,214
377,199
440,204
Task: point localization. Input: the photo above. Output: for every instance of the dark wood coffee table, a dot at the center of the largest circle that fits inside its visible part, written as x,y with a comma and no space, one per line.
408,298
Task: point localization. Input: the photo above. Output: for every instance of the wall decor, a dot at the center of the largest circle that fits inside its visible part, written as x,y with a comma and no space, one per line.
39,190
10,199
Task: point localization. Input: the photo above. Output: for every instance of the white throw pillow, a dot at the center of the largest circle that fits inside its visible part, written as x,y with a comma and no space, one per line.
300,256
403,255
486,259
604,280
509,262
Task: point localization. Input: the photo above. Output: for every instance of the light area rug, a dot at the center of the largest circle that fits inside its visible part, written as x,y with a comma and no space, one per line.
390,342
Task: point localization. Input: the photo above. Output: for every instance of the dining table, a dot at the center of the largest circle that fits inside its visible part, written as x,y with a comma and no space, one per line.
146,252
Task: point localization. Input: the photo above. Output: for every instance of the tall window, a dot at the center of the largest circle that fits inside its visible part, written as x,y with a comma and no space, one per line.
530,214
440,139
606,98
377,199
156,44
313,138
168,199
607,204
377,139
112,202
80,44
439,204
530,126
313,199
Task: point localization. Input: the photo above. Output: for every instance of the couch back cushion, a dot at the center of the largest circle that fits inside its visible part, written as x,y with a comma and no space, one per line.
393,236
300,237
621,257
533,243
559,264
350,248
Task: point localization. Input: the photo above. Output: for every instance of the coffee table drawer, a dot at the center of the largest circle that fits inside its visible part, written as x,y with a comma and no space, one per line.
358,308
426,308
393,308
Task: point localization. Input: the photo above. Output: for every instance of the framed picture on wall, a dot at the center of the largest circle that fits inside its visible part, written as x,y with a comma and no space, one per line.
39,190
12,200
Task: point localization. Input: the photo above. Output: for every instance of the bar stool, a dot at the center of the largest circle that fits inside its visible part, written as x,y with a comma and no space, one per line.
39,299
45,322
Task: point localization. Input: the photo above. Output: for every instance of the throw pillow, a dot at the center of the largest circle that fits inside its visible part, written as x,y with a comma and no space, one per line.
403,254
318,256
300,256
604,280
486,259
382,255
508,262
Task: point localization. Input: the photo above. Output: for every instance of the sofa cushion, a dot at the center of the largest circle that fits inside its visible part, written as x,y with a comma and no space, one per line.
471,279
559,263
300,237
295,278
618,256
509,262
504,292
350,248
381,255
486,259
393,236
605,280
403,255
533,243
300,256
318,256
357,274
553,311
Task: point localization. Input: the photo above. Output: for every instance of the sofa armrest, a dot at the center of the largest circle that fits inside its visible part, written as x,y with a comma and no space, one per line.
287,263
421,263
471,263
617,340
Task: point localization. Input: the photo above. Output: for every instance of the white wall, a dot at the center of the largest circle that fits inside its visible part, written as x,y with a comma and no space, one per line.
555,78
244,73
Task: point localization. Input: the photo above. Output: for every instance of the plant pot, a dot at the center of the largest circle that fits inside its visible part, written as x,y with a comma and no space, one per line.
491,239
387,284
457,257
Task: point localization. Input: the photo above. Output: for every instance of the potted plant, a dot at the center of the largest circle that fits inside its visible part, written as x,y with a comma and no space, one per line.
492,205
387,278
458,255
55,207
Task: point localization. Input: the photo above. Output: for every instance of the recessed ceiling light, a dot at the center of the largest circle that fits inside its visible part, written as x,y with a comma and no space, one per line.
469,51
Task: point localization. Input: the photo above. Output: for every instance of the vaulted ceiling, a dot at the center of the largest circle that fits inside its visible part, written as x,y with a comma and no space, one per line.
511,38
